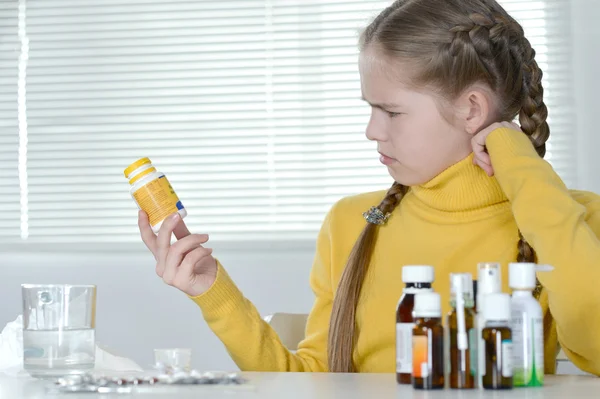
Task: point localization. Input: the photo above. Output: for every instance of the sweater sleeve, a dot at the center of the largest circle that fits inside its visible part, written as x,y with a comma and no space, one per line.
251,342
562,232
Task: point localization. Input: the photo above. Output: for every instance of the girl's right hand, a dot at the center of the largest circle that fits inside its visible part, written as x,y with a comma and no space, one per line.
186,264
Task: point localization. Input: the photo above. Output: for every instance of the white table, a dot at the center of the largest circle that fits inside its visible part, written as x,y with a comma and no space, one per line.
325,386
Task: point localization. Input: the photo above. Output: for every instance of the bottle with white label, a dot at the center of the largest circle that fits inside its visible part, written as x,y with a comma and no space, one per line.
497,338
418,278
527,327
488,282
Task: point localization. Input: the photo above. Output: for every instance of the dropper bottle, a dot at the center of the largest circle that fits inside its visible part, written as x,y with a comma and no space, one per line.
488,282
461,322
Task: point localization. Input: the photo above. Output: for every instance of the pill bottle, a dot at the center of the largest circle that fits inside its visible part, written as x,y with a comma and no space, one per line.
497,338
153,193
428,342
417,278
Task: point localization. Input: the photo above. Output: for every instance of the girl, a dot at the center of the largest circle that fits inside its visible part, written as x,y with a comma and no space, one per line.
442,79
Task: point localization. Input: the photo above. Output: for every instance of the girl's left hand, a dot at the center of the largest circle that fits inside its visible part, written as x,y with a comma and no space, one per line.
481,157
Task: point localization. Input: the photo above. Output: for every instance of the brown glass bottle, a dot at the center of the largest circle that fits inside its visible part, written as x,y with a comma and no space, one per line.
418,278
497,364
404,326
428,343
461,334
497,343
462,372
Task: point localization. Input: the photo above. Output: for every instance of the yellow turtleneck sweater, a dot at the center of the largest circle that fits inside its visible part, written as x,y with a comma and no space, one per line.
459,218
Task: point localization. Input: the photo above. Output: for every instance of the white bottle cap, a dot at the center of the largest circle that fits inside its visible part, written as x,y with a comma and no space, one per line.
488,278
497,307
467,284
521,275
417,274
427,304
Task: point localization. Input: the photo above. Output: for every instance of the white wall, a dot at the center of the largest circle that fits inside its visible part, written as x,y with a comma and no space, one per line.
137,312
586,60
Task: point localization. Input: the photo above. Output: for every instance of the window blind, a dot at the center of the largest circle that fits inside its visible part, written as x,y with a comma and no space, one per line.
252,109
10,212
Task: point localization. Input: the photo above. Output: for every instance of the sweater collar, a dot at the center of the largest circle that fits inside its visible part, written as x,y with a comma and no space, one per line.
461,187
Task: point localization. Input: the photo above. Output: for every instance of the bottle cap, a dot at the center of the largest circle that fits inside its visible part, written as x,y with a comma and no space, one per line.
467,284
427,304
417,274
488,278
497,307
135,165
521,275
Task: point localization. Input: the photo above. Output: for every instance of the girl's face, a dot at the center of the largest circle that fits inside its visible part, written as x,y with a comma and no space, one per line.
414,140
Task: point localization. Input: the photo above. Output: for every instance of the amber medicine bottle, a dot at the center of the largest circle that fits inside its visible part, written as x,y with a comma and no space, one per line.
488,282
462,334
497,338
428,342
152,192
417,279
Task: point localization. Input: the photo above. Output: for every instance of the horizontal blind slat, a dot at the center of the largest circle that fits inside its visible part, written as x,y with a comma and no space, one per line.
226,97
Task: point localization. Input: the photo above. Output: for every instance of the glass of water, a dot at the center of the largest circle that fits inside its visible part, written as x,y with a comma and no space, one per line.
59,324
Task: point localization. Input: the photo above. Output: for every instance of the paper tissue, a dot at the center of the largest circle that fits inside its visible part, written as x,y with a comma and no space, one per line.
11,354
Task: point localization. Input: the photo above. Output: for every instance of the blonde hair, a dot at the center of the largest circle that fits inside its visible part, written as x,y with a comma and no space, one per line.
453,44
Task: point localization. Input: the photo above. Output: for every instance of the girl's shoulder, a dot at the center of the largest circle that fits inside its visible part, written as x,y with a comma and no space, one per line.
591,202
356,205
345,219
587,198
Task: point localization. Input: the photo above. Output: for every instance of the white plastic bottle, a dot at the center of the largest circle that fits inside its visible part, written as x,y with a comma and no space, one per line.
527,325
153,193
489,281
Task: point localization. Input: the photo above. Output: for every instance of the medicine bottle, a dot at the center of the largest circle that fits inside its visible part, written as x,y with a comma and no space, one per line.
152,192
417,278
527,327
428,342
497,338
462,334
489,281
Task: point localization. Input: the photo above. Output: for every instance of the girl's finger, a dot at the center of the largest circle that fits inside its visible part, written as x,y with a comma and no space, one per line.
484,157
148,236
181,230
488,169
163,241
188,266
182,247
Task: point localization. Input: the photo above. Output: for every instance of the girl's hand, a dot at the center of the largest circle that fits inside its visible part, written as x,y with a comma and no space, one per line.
185,264
481,157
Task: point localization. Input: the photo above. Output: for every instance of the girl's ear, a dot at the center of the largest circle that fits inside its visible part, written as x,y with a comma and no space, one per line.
475,109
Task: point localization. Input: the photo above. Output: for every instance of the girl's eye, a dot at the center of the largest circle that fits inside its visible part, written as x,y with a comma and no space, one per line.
393,114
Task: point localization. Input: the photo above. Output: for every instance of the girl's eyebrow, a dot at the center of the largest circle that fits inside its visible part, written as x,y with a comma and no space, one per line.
380,105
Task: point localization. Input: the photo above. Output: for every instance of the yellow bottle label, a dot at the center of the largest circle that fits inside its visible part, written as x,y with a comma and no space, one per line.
157,199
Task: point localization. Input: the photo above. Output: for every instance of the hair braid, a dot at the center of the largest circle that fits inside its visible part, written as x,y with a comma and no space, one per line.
500,47
534,112
499,41
342,325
